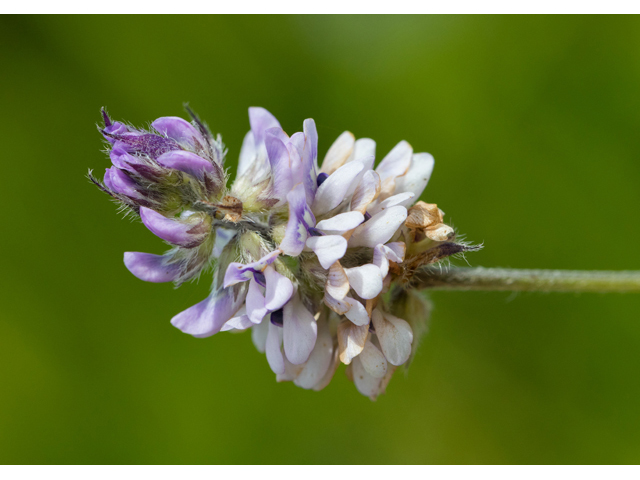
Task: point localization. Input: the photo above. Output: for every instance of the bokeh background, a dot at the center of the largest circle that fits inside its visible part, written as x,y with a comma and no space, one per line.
534,124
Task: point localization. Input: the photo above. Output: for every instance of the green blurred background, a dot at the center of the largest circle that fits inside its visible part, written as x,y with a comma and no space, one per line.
533,122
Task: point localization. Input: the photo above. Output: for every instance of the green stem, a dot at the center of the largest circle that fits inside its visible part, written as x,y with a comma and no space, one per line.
506,279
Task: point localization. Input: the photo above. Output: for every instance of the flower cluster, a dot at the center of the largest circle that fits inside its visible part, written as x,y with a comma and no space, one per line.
314,259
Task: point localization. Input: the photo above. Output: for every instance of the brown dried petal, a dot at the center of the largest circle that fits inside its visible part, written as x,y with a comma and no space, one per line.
423,215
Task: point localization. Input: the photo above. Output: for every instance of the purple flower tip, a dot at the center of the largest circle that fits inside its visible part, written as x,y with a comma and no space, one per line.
105,117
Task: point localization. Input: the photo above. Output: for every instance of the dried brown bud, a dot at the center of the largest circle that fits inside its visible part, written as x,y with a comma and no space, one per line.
423,215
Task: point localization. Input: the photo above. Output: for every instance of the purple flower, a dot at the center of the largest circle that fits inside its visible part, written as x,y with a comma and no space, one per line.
115,128
302,254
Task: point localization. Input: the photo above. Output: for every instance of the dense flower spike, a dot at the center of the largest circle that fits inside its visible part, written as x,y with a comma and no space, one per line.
315,259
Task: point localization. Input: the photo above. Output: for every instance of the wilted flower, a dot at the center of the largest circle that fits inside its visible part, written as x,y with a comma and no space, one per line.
315,260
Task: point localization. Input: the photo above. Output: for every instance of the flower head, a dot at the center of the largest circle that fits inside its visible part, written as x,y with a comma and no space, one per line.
314,259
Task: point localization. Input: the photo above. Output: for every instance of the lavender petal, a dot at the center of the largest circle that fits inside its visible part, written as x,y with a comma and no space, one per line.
261,120
310,159
186,162
278,291
150,267
179,130
121,159
300,220
171,230
278,156
207,317
299,331
256,309
238,272
118,181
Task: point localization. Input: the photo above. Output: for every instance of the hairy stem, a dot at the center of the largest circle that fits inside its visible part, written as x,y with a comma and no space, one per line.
506,279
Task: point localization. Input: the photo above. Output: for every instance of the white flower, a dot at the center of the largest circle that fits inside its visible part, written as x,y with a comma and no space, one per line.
303,254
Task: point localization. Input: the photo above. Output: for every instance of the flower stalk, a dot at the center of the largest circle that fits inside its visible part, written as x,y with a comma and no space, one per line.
522,280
